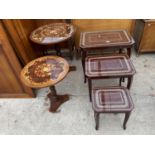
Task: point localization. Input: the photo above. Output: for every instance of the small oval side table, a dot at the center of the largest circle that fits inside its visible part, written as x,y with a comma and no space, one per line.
53,34
46,71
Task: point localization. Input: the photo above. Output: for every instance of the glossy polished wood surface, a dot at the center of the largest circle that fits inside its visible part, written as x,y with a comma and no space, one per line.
106,38
41,22
10,68
109,66
45,71
18,32
148,38
101,24
144,35
52,33
112,100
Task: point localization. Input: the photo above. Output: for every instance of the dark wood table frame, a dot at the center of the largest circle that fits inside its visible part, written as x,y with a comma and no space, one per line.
127,112
56,100
85,53
44,72
85,49
67,38
97,114
71,46
120,73
121,78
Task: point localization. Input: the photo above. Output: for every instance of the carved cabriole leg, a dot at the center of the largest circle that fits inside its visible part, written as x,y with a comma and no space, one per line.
127,115
130,79
90,88
96,116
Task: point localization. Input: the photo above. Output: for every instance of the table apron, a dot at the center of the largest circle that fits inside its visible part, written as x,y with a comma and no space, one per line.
125,111
112,47
111,77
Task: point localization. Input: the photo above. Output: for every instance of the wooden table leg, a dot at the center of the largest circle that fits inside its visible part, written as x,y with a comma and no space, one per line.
127,115
44,50
130,79
58,50
83,54
78,52
120,51
45,53
56,100
96,116
90,88
120,81
71,47
129,52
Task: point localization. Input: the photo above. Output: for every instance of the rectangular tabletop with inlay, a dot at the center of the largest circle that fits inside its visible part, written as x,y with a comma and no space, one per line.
110,38
112,99
109,66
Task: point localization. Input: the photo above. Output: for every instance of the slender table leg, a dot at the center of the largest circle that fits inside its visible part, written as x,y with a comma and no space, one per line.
127,115
96,116
120,81
129,52
45,53
130,79
90,88
83,54
78,52
58,50
56,100
71,47
120,51
44,50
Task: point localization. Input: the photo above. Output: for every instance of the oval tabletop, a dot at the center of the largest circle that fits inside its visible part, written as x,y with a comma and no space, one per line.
52,33
44,72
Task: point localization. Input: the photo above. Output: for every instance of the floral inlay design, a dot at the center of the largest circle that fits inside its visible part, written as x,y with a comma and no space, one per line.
52,33
44,70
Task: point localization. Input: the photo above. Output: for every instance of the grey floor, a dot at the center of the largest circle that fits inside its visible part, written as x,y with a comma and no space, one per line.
31,116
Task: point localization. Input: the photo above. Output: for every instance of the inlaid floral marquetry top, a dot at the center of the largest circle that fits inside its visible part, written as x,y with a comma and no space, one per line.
45,71
52,33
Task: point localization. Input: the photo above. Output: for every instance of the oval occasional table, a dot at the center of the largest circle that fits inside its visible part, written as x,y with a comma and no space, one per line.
53,34
46,71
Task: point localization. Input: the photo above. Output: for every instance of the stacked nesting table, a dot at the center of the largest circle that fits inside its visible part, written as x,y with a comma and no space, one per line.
113,99
109,66
111,39
116,39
